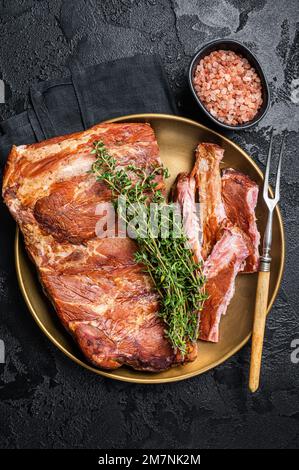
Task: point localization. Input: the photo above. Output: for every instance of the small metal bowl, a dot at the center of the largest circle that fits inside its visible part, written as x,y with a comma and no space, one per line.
235,46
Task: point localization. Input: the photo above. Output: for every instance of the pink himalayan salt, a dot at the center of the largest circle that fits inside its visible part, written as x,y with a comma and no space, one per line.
228,87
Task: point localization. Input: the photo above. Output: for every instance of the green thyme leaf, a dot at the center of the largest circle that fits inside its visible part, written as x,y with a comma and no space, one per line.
177,278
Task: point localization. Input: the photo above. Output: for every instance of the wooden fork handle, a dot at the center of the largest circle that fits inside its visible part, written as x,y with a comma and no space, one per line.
259,323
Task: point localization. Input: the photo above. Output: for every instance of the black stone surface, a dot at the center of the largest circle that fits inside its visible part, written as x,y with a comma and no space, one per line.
46,400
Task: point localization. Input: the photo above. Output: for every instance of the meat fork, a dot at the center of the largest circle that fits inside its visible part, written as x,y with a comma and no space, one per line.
262,291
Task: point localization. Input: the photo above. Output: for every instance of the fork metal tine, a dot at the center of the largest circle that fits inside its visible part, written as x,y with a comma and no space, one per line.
271,203
266,180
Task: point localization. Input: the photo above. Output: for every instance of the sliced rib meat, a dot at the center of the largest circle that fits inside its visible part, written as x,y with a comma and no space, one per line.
184,195
221,268
227,221
208,180
103,298
239,194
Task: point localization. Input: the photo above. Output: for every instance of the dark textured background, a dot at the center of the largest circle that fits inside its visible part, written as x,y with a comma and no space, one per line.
48,401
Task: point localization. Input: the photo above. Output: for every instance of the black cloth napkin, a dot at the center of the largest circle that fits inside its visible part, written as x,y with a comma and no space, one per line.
88,96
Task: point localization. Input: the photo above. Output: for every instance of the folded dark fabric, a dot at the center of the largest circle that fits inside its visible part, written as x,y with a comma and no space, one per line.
56,107
125,86
89,95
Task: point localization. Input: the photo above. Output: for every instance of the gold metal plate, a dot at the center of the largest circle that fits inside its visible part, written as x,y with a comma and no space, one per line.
177,138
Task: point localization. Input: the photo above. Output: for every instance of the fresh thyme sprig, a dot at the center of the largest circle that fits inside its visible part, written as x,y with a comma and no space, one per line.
177,278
